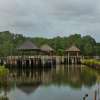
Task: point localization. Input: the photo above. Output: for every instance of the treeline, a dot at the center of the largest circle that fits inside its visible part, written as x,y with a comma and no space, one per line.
87,44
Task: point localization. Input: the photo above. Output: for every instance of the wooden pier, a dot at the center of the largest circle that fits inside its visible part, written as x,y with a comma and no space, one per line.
29,56
40,61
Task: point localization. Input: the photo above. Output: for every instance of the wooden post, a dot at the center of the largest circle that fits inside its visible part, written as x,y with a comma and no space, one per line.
84,98
68,57
77,54
95,95
75,59
86,95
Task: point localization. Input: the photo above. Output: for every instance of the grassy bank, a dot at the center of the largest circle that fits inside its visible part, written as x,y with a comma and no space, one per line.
92,63
3,76
3,80
3,98
3,71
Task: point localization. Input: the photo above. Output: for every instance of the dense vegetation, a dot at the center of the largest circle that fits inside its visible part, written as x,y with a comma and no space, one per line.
3,82
93,63
3,71
87,44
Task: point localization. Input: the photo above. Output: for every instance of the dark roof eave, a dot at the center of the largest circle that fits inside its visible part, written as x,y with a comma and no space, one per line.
28,49
72,50
28,45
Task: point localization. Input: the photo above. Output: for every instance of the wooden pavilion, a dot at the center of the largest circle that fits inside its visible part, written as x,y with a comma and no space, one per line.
73,55
46,49
28,48
28,53
47,55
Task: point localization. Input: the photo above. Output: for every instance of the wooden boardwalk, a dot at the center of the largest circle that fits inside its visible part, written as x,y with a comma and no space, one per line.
41,61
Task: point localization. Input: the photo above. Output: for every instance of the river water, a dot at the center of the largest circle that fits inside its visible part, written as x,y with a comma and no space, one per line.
60,83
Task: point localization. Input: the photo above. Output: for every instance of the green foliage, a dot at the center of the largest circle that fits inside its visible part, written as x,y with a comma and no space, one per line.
9,42
91,62
3,98
88,45
3,71
97,49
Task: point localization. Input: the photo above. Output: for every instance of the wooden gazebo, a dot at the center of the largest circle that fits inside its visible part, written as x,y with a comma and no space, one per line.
48,53
73,54
72,51
28,54
28,48
46,49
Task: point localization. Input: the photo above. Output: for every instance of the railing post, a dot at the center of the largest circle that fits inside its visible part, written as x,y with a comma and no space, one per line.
86,95
95,95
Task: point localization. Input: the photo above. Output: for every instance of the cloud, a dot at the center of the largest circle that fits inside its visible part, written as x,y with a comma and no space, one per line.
49,18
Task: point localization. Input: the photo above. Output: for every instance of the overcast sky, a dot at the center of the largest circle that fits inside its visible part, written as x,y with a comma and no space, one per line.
49,18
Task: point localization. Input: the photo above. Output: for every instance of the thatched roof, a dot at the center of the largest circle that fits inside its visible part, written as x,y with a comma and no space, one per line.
28,89
28,45
73,48
46,48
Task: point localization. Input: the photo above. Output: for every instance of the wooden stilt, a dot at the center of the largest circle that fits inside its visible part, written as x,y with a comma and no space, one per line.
95,95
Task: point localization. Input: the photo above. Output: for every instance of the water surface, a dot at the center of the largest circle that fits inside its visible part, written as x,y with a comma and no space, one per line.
59,83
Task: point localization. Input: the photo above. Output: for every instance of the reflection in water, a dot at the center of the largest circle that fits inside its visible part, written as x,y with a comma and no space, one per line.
74,76
38,83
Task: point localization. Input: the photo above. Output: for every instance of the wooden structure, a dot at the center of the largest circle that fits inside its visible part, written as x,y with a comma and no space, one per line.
27,56
48,52
72,55
28,48
47,49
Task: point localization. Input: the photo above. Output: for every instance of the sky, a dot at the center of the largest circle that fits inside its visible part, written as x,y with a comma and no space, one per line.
50,18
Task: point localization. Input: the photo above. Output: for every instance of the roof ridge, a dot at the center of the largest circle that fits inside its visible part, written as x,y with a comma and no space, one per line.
27,45
73,48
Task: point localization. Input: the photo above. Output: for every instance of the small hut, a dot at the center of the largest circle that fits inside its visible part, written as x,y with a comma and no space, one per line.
73,54
28,54
47,49
72,51
28,48
48,53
